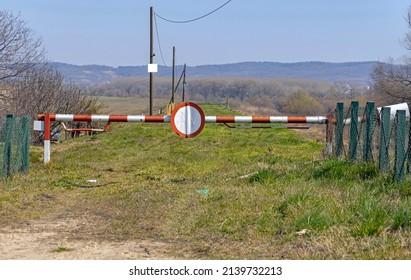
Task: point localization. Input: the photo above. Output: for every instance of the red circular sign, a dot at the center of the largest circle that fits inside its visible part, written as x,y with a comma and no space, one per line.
187,119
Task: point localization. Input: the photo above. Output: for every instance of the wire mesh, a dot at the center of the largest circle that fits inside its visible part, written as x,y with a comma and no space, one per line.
366,134
14,144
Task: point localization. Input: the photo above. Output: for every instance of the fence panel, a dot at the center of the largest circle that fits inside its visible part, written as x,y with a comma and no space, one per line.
369,135
14,144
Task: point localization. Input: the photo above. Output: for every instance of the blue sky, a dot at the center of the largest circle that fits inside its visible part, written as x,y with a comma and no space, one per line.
116,32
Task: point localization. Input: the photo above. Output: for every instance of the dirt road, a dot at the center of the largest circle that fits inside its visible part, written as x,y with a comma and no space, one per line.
51,240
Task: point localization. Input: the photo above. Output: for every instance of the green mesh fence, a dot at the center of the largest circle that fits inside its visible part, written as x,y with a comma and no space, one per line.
14,144
365,134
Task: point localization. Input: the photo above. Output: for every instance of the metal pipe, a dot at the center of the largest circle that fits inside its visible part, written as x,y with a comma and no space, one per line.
47,138
166,119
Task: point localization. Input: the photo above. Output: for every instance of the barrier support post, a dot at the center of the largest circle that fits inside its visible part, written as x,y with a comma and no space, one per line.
47,137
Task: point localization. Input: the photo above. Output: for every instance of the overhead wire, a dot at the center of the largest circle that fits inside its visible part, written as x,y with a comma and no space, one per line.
194,19
159,44
182,21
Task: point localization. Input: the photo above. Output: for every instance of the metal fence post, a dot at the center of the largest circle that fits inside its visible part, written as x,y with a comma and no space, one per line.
339,129
369,125
384,160
399,146
7,150
353,131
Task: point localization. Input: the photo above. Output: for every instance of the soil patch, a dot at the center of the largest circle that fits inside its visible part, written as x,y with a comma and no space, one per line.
51,240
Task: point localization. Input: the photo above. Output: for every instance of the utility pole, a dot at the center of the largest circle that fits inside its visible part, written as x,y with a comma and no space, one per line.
151,60
184,82
173,78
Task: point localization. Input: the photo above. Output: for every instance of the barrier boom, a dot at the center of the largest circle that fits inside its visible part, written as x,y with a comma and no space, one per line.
166,119
104,118
187,120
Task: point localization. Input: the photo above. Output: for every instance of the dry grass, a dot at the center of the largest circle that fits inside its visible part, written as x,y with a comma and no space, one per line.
129,105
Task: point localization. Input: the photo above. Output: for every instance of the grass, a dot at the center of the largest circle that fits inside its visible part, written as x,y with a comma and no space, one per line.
226,194
129,105
61,249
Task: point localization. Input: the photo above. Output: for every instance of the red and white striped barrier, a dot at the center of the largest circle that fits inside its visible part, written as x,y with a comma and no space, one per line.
266,119
187,120
166,119
104,118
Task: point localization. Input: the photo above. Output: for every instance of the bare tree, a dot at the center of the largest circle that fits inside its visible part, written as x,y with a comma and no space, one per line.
20,50
27,84
393,81
43,89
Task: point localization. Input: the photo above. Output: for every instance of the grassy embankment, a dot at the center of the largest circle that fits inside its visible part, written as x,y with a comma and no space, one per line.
226,194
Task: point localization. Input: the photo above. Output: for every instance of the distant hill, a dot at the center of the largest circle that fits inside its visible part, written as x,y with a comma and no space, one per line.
358,72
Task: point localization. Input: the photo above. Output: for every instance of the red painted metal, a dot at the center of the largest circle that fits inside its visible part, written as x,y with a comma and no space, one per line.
47,130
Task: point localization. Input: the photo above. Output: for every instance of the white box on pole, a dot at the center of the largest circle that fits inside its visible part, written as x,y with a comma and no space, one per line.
38,125
152,68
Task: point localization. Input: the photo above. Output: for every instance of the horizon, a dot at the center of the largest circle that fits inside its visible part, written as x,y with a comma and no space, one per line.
230,63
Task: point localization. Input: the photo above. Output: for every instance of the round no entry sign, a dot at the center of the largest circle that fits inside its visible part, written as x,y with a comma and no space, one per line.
187,119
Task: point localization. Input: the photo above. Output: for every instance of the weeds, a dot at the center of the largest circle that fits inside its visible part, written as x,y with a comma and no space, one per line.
345,170
61,249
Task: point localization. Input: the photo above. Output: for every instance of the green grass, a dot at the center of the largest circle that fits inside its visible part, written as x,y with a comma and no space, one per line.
226,194
61,249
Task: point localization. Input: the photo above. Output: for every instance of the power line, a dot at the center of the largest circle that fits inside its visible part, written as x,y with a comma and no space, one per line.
159,44
194,19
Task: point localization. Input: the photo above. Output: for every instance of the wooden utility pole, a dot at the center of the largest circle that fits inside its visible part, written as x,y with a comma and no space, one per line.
151,60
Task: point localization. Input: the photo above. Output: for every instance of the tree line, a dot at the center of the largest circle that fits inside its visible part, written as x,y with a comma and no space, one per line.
252,95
